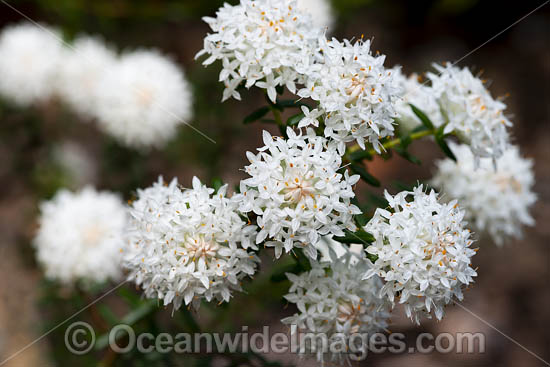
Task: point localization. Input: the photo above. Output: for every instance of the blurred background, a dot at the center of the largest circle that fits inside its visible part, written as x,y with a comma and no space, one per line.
47,147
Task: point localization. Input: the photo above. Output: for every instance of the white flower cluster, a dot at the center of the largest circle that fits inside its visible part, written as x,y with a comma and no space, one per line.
80,236
321,11
356,94
423,252
496,199
260,42
30,60
143,98
140,98
83,66
296,192
333,299
411,91
472,113
186,245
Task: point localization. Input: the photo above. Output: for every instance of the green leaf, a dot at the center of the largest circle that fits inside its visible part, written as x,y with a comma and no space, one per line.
405,141
359,236
367,177
445,148
130,319
108,315
295,119
359,155
419,128
362,218
131,298
291,103
440,139
256,115
377,201
302,261
372,257
422,116
217,183
408,156
280,274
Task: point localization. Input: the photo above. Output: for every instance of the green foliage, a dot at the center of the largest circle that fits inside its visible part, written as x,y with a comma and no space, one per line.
365,176
440,139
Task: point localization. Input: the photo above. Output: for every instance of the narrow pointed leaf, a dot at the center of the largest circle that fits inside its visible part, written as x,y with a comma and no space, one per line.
422,116
295,119
365,176
359,236
256,115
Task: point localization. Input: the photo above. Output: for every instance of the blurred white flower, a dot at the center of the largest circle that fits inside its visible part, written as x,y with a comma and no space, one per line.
143,99
30,58
473,114
321,11
412,91
76,163
266,43
80,236
496,198
84,64
185,245
423,252
296,192
333,300
354,91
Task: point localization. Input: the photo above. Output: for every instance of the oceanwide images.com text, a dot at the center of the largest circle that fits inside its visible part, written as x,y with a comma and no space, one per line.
80,338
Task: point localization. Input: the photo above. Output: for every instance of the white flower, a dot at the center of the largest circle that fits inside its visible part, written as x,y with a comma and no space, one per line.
496,198
30,58
80,236
423,252
418,94
354,90
334,302
187,245
143,99
296,192
84,64
476,118
77,164
321,12
266,43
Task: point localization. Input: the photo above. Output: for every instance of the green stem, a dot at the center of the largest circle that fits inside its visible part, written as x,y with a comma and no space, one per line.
144,310
278,118
394,142
188,318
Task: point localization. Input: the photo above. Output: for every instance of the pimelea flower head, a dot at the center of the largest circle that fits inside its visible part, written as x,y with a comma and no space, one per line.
187,245
354,90
76,163
473,114
84,64
296,192
423,251
334,302
412,91
30,57
266,43
321,11
143,99
496,199
80,235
